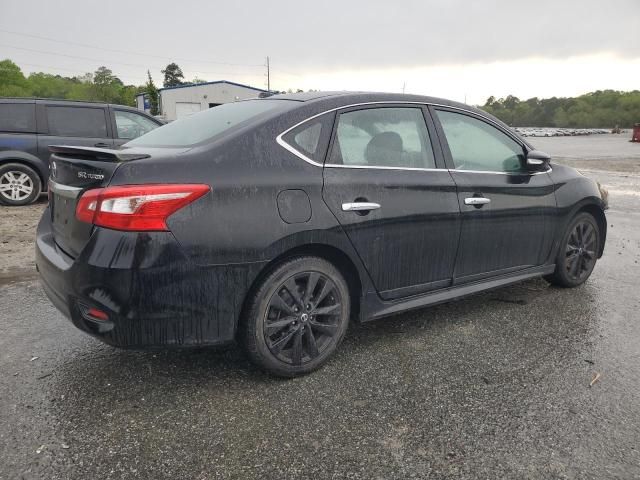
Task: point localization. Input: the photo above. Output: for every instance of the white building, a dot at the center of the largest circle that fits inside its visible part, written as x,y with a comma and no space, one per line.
142,103
184,100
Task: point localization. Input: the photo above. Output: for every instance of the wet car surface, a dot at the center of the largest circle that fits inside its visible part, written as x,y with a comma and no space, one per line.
494,386
300,211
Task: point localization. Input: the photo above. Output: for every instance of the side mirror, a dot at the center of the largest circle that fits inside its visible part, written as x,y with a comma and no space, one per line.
537,160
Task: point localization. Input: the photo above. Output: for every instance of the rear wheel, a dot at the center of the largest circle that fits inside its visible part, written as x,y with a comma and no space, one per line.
297,317
578,252
19,184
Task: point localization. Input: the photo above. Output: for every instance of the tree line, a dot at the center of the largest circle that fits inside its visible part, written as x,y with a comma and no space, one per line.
99,86
600,109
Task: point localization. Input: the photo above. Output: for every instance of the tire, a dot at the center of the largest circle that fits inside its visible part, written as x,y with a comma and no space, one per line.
19,184
578,252
286,342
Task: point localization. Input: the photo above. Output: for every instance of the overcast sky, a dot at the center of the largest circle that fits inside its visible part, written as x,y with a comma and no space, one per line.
449,48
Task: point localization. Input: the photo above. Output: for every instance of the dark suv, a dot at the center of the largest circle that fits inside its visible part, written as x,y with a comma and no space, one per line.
29,126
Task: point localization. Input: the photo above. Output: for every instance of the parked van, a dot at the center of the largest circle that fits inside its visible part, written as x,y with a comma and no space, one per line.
29,126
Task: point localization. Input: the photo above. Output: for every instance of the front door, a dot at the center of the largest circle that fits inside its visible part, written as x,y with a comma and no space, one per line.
383,183
506,209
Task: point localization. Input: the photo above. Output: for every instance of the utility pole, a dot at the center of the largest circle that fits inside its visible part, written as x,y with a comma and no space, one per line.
268,77
404,86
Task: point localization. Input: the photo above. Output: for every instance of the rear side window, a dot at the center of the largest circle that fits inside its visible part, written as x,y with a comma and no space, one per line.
77,122
383,137
312,137
309,138
18,117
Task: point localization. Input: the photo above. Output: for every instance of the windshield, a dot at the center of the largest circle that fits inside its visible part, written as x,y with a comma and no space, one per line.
205,125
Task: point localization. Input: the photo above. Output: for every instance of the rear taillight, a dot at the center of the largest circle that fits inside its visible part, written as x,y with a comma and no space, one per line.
136,207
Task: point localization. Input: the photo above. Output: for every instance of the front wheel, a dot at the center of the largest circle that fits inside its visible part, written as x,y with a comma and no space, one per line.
578,252
297,317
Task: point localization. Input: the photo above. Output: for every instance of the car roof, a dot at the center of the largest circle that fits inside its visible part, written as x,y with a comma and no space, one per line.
349,96
61,101
354,97
344,98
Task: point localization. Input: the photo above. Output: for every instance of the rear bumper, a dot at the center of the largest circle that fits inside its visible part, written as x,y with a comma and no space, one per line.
153,294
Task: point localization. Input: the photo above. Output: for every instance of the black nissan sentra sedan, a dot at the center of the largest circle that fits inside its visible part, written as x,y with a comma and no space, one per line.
274,221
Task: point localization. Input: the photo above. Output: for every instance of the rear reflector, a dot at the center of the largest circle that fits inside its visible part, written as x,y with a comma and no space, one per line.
97,314
136,207
93,314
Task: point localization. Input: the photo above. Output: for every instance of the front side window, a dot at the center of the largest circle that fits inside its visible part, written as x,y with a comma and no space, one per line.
17,117
383,137
77,122
132,125
476,145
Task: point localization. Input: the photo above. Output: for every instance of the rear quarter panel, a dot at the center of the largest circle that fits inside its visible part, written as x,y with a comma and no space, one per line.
239,221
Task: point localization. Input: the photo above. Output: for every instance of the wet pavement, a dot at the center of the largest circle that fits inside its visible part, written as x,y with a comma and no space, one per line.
494,386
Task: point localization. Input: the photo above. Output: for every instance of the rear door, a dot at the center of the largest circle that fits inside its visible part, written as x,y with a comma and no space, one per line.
506,209
384,181
64,124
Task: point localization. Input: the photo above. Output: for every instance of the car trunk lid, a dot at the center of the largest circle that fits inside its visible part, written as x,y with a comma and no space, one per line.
73,171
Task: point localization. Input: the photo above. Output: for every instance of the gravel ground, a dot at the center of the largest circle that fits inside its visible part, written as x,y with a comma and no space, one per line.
528,381
17,235
612,153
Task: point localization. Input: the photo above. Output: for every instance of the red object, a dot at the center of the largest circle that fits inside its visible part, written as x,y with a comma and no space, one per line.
136,207
636,133
97,314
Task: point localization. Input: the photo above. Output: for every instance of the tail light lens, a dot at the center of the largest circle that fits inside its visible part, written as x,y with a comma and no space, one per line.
136,207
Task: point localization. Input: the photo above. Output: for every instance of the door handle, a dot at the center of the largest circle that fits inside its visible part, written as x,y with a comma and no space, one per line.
476,201
359,206
102,145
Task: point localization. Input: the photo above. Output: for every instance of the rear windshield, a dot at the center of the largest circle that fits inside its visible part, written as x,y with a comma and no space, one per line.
205,125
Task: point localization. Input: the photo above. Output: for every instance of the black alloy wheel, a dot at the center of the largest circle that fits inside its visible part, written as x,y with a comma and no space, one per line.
302,317
578,252
297,318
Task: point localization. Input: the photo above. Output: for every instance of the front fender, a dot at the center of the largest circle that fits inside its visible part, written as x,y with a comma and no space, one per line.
575,193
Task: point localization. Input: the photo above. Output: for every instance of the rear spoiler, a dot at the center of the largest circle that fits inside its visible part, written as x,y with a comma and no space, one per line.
94,153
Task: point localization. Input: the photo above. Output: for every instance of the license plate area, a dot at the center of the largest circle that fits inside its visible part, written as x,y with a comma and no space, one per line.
62,209
68,232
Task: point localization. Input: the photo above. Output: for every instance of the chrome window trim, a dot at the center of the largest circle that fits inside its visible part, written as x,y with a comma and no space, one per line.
374,167
380,167
302,156
549,170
